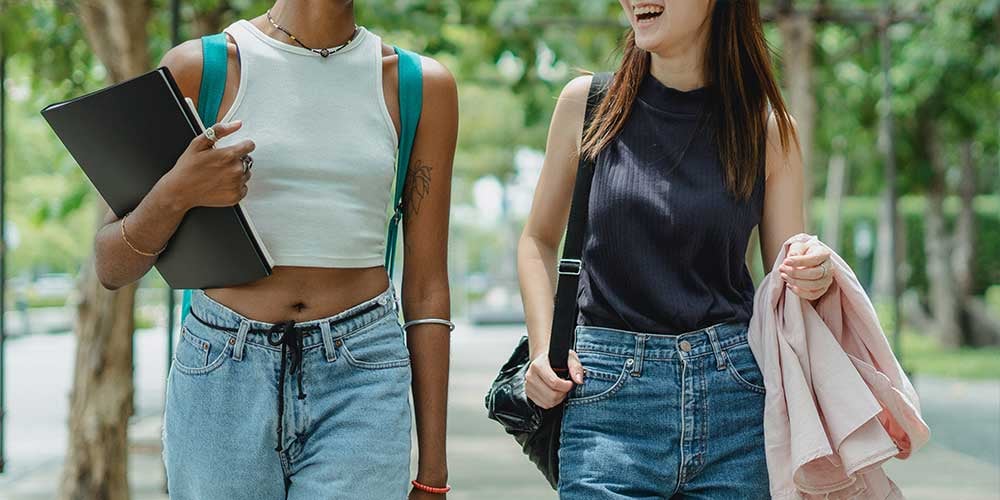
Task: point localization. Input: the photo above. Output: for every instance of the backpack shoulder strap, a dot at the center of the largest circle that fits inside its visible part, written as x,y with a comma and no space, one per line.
214,54
411,92
213,76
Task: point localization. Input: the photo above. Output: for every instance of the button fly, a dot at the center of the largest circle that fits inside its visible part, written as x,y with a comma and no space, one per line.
685,346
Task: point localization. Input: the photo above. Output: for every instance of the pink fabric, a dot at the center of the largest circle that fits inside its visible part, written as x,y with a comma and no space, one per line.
838,404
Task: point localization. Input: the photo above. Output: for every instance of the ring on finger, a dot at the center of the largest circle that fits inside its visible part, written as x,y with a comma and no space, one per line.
247,163
210,134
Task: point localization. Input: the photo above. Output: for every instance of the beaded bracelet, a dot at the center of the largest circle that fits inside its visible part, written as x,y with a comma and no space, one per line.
130,245
430,489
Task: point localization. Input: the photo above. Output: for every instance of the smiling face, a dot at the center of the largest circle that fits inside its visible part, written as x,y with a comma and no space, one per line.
662,24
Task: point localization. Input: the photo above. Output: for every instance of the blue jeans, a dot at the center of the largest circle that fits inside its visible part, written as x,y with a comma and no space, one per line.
664,416
315,410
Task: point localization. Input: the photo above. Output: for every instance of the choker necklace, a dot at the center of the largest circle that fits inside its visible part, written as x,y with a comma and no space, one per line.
323,52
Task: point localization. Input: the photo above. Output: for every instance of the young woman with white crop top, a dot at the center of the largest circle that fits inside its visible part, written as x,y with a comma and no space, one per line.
297,385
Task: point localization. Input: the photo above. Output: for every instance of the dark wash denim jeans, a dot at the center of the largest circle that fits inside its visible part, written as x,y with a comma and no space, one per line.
665,416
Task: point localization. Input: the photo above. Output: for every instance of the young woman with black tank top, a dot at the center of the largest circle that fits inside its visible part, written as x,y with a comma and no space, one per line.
297,386
693,148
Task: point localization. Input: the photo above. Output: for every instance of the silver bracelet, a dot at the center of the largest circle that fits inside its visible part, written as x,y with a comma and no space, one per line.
451,326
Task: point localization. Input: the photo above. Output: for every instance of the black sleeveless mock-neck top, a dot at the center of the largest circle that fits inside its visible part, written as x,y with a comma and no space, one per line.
665,250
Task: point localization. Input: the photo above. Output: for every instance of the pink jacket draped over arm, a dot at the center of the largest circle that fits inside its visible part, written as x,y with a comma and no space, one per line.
838,404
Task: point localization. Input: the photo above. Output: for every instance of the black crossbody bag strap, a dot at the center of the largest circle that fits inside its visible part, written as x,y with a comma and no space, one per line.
566,308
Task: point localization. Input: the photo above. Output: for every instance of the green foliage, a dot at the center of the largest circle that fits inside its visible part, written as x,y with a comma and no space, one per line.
858,210
920,354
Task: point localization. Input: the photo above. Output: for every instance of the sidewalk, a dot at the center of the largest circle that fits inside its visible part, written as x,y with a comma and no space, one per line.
962,462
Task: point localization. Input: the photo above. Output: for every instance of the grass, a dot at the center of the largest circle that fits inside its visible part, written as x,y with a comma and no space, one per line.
921,355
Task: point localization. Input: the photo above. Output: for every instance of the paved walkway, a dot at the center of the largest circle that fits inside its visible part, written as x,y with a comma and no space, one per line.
962,462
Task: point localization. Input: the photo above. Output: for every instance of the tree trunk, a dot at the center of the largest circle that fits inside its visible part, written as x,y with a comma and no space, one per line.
943,294
798,37
101,397
965,225
980,326
884,260
836,185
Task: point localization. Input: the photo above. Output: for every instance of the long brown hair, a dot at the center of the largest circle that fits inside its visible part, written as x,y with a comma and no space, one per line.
740,84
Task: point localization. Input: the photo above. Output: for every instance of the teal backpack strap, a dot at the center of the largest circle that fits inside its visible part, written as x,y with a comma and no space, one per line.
214,53
411,96
213,77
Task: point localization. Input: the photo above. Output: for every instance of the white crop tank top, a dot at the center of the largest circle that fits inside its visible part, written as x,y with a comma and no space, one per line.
325,159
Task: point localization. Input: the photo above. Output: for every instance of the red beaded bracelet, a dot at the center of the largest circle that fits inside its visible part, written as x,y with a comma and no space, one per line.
430,489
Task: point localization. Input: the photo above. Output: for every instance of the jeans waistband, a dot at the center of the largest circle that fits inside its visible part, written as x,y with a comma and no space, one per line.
218,316
705,341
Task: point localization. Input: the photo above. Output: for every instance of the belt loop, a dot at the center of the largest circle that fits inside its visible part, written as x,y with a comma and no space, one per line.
640,348
241,337
327,334
720,361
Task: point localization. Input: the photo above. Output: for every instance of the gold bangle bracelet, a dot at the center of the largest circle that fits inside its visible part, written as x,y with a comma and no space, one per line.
129,243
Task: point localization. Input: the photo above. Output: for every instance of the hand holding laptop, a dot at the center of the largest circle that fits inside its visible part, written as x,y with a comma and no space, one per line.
208,176
157,140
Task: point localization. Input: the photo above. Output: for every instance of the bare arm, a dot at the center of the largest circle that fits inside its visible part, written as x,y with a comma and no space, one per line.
425,293
784,216
784,213
536,250
201,176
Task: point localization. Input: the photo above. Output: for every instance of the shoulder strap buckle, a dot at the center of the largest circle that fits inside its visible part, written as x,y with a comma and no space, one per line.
570,266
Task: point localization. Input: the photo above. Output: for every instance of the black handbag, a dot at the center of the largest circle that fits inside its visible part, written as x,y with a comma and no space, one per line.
535,429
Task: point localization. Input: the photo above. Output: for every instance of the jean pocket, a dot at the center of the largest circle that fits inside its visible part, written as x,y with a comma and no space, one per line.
743,367
604,375
201,354
377,346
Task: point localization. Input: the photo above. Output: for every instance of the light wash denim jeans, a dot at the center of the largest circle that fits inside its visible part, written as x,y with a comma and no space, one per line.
664,416
345,432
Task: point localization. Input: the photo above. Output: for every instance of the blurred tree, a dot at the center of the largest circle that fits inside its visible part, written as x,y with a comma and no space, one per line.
948,71
101,398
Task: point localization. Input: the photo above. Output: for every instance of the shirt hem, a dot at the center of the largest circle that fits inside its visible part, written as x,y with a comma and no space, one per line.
314,261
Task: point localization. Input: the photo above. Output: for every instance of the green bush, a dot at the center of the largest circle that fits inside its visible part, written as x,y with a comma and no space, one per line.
855,210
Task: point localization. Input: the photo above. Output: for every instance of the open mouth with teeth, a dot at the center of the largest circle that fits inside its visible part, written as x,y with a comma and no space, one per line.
646,13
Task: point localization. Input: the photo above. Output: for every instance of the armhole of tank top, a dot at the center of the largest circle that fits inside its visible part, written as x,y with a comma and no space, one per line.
767,121
241,86
762,176
380,94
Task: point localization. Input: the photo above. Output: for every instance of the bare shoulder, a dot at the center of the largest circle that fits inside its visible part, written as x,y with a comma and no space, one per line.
184,62
439,83
577,89
567,118
572,101
779,157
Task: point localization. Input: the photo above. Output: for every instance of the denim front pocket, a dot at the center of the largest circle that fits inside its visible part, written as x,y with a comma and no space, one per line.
604,375
200,354
743,367
377,346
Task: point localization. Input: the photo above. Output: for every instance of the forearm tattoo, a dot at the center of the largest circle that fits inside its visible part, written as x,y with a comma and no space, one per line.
418,186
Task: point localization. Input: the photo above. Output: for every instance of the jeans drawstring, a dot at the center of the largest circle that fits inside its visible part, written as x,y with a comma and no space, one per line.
288,339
